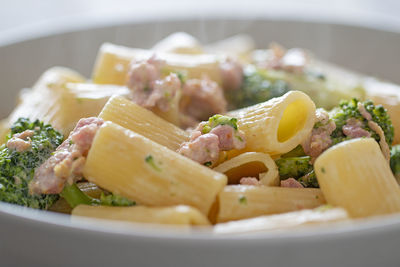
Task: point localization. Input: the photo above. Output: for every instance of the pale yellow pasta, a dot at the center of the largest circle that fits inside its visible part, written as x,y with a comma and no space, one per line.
355,175
179,43
278,125
4,130
112,64
251,164
135,167
176,215
388,95
66,103
142,121
282,221
240,201
238,46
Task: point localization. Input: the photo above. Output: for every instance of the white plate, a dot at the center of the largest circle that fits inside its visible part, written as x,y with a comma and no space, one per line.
29,237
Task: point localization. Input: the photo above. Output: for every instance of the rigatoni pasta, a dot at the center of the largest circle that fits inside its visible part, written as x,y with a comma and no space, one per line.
354,175
242,201
142,121
112,64
174,215
251,164
282,221
160,176
278,125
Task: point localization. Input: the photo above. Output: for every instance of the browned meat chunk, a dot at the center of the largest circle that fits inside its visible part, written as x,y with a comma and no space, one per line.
67,162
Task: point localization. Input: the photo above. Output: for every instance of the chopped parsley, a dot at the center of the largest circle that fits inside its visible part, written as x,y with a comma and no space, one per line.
242,200
217,120
207,164
150,160
323,170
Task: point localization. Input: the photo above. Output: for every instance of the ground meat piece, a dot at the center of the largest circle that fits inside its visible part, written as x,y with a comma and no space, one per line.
320,138
382,142
232,74
147,87
249,181
353,129
363,111
294,60
203,149
67,162
202,98
20,142
229,138
377,129
291,182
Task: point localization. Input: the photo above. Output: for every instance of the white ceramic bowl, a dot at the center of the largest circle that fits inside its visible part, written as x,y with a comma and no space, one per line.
30,237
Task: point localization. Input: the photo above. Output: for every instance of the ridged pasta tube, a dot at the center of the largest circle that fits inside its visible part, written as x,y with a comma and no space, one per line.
142,121
130,165
278,125
282,221
175,215
112,64
251,164
242,201
355,175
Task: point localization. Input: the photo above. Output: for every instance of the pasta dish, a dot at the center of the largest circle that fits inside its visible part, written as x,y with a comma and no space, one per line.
221,135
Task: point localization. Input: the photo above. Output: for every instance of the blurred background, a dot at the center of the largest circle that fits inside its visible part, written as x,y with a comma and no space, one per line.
21,17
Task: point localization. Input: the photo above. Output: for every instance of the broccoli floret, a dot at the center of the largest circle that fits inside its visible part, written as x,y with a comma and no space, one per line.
395,161
17,168
257,87
349,109
74,196
309,180
299,168
294,167
217,120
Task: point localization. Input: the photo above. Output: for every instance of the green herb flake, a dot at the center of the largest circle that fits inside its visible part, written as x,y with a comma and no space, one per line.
242,200
323,170
207,164
150,160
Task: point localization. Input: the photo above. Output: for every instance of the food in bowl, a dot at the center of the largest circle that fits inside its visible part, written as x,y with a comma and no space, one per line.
195,135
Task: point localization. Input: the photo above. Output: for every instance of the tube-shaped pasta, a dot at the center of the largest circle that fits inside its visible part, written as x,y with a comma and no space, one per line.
65,103
251,164
282,221
388,95
240,202
179,43
135,167
142,121
278,125
176,215
112,64
355,175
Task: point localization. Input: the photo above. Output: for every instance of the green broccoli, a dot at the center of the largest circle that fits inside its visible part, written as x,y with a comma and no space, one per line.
349,109
217,120
74,196
17,168
299,168
257,87
294,167
395,161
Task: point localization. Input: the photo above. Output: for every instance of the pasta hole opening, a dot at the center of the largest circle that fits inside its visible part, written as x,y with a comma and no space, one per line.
293,120
249,169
